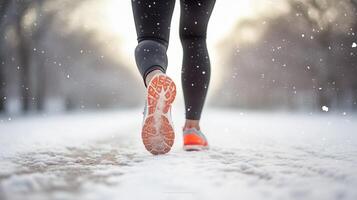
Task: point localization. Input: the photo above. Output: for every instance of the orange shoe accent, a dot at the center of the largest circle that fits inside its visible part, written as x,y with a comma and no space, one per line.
194,140
157,132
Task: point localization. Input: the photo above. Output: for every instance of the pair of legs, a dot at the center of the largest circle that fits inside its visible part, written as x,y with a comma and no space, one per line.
152,21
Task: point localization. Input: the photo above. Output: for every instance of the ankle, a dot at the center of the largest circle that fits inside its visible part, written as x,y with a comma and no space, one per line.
151,75
191,124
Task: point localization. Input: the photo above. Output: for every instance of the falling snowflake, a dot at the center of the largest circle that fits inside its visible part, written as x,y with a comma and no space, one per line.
354,45
324,108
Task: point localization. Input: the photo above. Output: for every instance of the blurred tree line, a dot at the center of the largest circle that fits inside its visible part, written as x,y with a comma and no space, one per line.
303,58
44,66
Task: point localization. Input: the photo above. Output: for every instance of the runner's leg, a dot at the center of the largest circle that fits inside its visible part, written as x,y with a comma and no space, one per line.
152,22
196,66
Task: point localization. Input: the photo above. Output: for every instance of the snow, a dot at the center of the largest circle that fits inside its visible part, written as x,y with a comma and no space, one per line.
324,108
354,45
252,156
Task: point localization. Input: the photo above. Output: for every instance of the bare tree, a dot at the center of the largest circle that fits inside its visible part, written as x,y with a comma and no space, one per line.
323,75
316,68
23,54
32,79
4,5
44,22
43,53
43,25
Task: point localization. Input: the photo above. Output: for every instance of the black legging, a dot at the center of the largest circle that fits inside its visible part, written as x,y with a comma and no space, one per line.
152,21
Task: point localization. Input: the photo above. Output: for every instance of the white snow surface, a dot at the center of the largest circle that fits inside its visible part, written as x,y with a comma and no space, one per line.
252,156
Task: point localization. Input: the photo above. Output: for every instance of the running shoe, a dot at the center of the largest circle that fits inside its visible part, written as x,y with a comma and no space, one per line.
157,132
194,140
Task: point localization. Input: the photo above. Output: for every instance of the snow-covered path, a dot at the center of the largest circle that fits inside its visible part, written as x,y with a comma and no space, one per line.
252,156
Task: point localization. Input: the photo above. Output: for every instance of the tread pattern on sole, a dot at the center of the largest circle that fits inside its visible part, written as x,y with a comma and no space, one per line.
157,133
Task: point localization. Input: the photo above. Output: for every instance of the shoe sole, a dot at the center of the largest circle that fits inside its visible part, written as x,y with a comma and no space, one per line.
157,133
195,147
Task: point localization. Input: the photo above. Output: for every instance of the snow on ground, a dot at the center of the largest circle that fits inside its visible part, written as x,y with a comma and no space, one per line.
252,156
